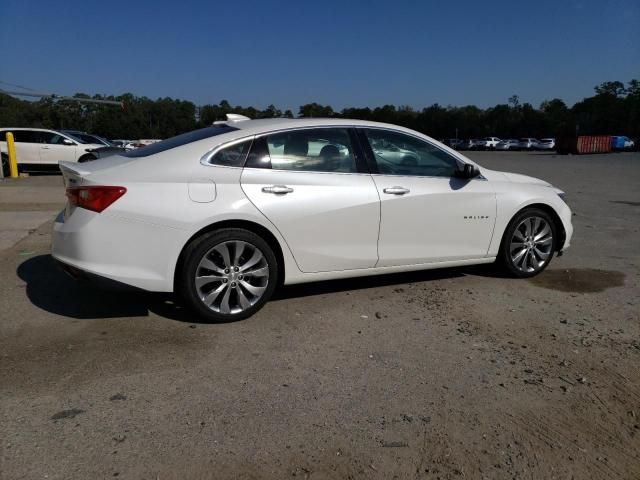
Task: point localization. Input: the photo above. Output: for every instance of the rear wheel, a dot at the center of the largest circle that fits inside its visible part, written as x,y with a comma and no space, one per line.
228,275
528,243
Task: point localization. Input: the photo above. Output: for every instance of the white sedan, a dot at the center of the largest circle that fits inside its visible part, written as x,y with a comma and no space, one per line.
225,214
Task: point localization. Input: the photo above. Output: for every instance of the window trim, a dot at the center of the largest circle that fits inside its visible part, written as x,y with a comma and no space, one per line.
373,165
38,131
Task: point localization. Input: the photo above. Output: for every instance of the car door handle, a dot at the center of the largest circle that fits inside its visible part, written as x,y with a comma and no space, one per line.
45,148
396,190
277,189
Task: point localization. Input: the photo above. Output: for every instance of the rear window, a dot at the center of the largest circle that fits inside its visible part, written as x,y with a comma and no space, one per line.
180,140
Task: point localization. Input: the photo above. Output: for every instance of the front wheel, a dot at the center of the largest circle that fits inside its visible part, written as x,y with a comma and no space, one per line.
228,275
528,243
4,165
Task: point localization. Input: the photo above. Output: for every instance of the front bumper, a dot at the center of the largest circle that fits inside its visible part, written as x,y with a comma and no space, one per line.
566,215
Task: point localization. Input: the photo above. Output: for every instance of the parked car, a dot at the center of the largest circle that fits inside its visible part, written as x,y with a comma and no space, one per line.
39,146
472,144
622,143
224,214
510,144
491,142
126,144
529,144
454,143
133,145
103,152
547,144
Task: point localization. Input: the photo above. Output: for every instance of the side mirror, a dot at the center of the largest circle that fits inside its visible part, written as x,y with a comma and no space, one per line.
468,171
66,141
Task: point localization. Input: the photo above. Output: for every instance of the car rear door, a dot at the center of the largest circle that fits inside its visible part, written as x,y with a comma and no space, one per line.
27,144
312,184
428,215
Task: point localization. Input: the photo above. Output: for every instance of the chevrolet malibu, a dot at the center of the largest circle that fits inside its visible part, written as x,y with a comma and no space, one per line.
225,214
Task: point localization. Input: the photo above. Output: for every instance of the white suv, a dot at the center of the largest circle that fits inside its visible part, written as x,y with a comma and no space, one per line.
38,146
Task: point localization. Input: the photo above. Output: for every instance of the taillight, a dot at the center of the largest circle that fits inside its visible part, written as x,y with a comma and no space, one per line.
95,198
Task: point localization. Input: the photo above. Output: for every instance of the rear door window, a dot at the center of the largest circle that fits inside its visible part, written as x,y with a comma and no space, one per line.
308,150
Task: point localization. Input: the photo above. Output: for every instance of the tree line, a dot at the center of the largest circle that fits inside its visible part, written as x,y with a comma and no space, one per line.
614,109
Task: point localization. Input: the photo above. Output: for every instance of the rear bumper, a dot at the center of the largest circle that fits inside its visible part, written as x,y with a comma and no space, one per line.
97,280
124,251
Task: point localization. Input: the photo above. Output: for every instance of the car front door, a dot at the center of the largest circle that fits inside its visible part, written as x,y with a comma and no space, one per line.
313,186
428,214
55,147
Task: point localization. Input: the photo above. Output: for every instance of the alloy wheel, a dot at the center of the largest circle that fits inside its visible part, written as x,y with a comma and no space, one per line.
531,244
232,277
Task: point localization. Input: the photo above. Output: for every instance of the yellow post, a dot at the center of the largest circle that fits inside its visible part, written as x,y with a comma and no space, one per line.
11,150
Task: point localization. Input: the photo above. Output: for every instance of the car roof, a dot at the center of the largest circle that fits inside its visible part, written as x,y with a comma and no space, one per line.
271,124
28,128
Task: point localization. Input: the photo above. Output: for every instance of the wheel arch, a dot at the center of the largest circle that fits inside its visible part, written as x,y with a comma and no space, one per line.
560,230
87,157
254,227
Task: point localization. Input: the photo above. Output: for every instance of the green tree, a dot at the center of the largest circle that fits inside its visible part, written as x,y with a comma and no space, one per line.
614,89
315,110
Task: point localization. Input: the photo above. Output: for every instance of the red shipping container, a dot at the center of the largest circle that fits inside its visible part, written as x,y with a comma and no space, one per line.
594,144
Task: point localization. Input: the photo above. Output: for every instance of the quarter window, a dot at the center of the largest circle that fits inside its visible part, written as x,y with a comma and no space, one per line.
308,150
399,154
231,156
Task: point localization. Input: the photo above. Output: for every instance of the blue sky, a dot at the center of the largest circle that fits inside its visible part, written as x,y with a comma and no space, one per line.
342,53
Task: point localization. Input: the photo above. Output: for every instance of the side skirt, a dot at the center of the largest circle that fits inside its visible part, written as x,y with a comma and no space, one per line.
363,272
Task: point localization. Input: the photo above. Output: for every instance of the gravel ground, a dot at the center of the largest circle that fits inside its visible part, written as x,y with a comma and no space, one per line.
442,374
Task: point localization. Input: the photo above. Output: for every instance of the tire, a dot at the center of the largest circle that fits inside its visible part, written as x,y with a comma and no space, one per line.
4,165
521,254
227,289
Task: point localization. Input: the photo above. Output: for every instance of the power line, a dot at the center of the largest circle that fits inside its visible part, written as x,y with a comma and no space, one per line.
53,96
17,86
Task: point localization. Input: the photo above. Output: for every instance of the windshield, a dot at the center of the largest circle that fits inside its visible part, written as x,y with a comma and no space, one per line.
103,140
180,140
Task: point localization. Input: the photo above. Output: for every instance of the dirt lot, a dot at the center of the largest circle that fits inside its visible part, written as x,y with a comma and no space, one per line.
442,374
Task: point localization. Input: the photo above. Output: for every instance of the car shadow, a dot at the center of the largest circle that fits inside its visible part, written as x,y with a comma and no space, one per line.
360,283
52,290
